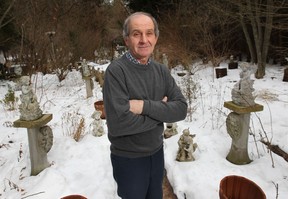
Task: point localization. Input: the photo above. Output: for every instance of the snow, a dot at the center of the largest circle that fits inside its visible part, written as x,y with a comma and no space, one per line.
84,167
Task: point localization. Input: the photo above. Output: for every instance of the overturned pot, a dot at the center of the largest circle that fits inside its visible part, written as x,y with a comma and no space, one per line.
74,197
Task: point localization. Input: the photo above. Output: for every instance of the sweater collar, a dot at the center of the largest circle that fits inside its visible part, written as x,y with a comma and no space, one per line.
134,60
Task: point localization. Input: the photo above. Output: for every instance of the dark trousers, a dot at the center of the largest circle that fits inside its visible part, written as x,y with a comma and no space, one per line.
139,178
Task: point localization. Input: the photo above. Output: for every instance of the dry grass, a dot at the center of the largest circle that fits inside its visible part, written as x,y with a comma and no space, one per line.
73,125
267,95
80,130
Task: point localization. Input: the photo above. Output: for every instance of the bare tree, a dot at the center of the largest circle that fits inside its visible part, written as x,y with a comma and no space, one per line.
256,18
4,18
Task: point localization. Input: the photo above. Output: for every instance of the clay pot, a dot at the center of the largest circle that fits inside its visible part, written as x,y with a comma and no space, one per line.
74,197
221,72
238,187
99,106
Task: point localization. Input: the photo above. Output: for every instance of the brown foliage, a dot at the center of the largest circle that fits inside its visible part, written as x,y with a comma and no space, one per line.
80,28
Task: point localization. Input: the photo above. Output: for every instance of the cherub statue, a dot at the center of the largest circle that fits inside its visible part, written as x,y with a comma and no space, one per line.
186,146
97,124
242,93
171,129
29,107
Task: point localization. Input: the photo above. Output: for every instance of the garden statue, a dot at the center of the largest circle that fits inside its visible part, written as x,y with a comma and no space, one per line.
29,107
40,136
186,146
237,122
165,60
85,69
18,73
99,77
97,124
242,93
171,129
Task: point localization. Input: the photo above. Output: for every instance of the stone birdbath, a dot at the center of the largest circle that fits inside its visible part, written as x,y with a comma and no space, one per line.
237,122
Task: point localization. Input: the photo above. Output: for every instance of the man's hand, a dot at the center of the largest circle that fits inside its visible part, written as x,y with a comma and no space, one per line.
136,106
165,99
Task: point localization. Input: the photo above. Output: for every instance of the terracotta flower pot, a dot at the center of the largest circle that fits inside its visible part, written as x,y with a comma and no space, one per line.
237,187
74,197
99,106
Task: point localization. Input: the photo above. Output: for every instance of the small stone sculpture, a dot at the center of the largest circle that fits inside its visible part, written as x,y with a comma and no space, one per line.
99,77
165,60
242,92
171,129
85,68
97,124
18,71
186,146
29,107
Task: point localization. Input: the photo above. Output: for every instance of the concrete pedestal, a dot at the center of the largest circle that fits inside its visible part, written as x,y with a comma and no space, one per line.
237,124
37,142
89,86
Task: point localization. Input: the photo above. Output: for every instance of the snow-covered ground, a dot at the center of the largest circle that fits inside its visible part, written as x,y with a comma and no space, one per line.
84,167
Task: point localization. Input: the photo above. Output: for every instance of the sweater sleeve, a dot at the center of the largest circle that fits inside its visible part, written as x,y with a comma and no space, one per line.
120,120
175,109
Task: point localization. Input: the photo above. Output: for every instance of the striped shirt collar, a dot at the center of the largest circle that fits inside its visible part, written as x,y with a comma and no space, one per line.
134,60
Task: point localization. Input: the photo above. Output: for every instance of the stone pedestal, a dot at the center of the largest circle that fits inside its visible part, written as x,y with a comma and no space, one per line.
40,139
237,124
89,86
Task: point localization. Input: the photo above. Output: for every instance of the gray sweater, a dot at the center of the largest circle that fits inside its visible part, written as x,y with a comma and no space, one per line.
134,135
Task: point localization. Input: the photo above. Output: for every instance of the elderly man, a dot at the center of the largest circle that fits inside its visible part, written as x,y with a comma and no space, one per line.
139,95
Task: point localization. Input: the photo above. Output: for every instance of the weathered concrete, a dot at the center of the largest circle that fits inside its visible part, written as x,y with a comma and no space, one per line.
34,123
89,86
40,139
243,109
237,124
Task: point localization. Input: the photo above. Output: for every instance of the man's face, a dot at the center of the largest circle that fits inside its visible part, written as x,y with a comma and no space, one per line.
141,39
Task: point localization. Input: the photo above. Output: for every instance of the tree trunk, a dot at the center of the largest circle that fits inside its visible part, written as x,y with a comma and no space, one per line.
248,40
258,14
260,73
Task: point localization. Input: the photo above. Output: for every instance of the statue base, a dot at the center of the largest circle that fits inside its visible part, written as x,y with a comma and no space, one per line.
242,109
38,152
237,124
